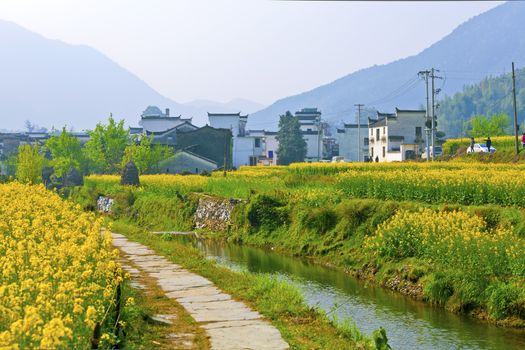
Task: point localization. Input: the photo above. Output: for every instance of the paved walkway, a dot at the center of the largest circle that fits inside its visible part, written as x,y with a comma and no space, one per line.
230,324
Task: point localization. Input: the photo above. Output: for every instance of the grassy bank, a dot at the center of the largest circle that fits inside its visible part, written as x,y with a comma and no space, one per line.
302,327
451,234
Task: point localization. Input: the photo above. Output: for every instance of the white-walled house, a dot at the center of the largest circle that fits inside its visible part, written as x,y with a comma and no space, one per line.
309,119
350,138
396,136
247,146
271,145
153,120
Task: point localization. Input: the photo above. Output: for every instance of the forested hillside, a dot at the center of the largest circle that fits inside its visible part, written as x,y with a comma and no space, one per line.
493,95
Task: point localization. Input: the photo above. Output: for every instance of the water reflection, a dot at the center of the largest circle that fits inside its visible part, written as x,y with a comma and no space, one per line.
410,324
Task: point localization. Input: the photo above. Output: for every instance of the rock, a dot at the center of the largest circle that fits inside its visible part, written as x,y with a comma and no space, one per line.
73,178
130,175
214,213
104,204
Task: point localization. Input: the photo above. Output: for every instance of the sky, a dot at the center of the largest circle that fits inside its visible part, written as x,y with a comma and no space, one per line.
253,49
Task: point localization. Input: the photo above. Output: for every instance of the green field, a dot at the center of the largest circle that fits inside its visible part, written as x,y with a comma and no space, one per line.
457,229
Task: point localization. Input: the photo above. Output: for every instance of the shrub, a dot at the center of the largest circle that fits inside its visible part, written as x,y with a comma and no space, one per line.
266,212
504,300
320,220
438,288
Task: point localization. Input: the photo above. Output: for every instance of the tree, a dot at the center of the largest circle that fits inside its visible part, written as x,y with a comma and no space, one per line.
105,148
29,164
145,154
66,152
292,146
481,126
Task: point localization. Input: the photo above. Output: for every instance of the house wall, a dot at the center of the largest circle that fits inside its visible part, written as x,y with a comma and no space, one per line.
225,122
378,146
243,148
159,124
271,145
312,147
185,162
348,143
406,125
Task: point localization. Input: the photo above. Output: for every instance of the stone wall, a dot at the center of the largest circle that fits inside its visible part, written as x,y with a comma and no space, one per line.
214,214
104,204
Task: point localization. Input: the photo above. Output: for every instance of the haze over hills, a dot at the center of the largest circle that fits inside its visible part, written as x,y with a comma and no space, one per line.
485,45
52,83
235,105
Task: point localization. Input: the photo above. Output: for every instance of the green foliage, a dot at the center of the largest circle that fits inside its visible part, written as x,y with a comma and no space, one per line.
145,154
292,146
266,212
106,147
481,126
320,220
505,300
438,288
65,153
380,339
491,96
29,164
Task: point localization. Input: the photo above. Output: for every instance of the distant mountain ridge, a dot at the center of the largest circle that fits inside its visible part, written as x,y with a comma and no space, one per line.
52,83
235,105
479,47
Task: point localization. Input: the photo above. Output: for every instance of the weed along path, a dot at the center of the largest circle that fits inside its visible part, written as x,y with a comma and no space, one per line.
229,324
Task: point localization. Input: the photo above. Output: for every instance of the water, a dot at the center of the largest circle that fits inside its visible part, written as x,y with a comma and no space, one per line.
409,324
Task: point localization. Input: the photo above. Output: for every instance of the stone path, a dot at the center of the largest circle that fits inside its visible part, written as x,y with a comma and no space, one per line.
230,324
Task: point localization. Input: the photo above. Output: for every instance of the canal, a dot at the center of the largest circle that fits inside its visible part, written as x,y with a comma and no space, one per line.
410,324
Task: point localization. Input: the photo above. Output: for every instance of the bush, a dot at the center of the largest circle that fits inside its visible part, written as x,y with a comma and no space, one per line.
504,300
266,212
438,288
320,220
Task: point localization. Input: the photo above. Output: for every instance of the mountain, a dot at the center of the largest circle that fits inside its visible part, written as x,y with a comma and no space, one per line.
235,105
483,45
492,95
52,83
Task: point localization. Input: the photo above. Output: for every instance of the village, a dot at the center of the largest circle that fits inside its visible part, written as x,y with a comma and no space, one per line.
389,137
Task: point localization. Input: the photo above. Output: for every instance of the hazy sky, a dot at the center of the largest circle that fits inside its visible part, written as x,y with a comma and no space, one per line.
259,50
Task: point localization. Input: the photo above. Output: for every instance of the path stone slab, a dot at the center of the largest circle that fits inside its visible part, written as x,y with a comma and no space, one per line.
261,336
197,291
203,298
216,315
230,324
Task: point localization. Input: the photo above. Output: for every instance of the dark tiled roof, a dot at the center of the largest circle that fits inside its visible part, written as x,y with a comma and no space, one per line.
377,122
171,129
354,126
225,114
410,110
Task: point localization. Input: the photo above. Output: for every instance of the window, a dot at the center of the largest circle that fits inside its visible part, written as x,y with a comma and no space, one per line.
377,134
419,133
257,142
384,130
371,132
384,151
372,152
253,160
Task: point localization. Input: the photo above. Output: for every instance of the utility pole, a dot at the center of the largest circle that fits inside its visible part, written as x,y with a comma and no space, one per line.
359,106
515,110
319,138
434,93
225,153
424,74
